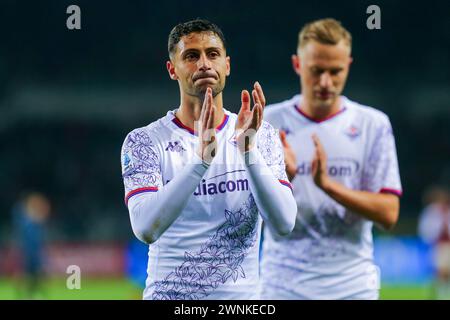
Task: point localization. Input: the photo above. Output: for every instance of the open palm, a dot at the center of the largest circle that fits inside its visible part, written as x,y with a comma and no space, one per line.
249,119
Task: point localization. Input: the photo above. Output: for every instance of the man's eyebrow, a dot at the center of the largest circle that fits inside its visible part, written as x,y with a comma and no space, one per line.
214,48
190,50
207,49
195,50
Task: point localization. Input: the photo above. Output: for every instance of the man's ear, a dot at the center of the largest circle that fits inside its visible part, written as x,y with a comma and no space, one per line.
171,70
350,61
228,66
296,63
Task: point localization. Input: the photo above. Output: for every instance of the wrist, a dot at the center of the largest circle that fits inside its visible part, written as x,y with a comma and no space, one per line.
198,159
245,140
326,185
247,148
291,172
250,156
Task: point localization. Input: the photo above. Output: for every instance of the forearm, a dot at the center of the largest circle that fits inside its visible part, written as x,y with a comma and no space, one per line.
274,200
152,213
378,207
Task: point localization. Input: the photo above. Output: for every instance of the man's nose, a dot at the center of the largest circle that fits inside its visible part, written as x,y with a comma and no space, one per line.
203,63
325,80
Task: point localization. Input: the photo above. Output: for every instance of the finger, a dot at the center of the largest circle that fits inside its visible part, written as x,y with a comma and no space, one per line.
260,92
319,159
210,110
319,145
314,163
261,115
245,100
255,97
204,108
256,116
211,118
257,101
212,129
209,99
316,141
316,152
205,120
314,138
318,155
206,134
283,139
206,100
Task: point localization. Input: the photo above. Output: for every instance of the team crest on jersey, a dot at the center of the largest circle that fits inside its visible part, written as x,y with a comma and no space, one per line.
286,130
175,146
353,132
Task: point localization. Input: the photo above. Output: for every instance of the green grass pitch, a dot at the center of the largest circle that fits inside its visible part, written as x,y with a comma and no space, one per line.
123,289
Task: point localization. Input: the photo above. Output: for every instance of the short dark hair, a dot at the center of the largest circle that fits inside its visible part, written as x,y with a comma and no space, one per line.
186,28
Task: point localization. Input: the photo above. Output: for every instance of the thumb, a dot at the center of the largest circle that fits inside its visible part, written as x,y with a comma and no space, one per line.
316,159
283,139
314,164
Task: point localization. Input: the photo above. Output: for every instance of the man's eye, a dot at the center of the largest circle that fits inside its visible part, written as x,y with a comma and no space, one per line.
335,72
213,54
190,56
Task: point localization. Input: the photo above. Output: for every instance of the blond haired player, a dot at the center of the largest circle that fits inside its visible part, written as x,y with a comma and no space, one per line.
341,159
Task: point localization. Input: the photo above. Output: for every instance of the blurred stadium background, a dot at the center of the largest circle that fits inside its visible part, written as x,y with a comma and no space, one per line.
68,98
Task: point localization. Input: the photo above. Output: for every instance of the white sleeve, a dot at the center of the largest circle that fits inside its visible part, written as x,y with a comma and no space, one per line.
153,207
269,184
381,173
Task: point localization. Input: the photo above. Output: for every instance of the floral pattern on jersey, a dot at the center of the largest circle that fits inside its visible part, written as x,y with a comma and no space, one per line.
329,230
269,145
219,260
381,166
140,161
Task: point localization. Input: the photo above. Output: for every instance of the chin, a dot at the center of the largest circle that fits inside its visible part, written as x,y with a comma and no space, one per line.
324,103
201,90
216,89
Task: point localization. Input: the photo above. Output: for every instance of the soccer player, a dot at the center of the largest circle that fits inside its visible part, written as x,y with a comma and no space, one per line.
199,181
434,229
341,160
30,215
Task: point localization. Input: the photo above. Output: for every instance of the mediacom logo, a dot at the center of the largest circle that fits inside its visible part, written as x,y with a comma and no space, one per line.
229,185
221,187
337,167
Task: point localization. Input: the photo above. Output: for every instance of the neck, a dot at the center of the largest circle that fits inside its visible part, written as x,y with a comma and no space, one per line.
191,108
320,112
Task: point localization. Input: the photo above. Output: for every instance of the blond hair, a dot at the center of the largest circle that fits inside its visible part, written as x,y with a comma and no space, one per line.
325,31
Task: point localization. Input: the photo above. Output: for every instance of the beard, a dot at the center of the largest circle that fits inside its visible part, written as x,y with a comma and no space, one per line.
325,103
199,91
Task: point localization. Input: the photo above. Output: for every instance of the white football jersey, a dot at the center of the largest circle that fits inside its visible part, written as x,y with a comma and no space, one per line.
211,251
329,255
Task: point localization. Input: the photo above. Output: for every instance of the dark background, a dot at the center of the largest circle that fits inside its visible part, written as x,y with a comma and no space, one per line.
68,98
